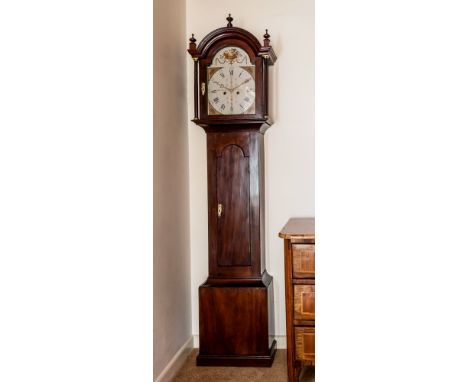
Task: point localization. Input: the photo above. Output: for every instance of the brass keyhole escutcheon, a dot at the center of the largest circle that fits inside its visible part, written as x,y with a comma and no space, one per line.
203,88
220,210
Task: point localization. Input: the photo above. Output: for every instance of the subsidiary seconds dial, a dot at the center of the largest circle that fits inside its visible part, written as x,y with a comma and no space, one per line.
231,90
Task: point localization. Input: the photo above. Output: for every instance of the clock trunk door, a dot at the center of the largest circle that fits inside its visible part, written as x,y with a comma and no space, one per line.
233,210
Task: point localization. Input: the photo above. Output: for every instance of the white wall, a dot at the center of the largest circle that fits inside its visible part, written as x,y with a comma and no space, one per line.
289,142
171,273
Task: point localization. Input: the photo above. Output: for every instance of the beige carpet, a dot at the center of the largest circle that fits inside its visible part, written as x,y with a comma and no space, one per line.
277,373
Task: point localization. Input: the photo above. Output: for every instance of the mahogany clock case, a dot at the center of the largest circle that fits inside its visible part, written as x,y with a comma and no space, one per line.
236,305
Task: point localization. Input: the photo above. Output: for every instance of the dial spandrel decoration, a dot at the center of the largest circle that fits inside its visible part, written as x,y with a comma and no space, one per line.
231,83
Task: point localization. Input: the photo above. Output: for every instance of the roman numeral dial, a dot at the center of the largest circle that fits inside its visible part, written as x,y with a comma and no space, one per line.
231,91
231,83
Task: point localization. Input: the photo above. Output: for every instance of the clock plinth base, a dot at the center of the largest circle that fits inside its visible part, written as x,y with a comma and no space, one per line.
242,361
237,324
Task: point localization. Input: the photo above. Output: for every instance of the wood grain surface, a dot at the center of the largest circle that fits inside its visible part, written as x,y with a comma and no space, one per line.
299,269
304,302
305,343
234,215
303,260
299,228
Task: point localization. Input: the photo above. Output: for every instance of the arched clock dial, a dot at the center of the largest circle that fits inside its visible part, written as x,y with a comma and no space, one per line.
231,83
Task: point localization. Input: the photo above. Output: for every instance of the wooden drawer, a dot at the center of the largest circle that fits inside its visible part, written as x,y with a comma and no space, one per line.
303,260
304,302
305,343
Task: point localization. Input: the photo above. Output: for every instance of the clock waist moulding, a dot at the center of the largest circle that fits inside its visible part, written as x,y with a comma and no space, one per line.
236,307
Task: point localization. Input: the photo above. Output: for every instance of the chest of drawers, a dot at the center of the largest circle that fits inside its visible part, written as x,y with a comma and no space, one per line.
299,264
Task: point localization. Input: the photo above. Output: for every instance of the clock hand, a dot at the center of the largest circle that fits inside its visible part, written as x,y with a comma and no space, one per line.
222,86
242,83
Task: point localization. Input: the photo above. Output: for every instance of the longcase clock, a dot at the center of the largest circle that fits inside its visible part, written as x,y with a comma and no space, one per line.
236,308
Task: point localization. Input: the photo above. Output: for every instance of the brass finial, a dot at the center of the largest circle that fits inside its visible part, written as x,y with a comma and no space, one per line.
192,39
266,36
229,19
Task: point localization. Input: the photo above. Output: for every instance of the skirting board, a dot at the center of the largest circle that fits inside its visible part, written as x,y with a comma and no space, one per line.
176,362
280,341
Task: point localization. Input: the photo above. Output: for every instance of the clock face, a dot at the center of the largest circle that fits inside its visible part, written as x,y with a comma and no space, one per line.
231,83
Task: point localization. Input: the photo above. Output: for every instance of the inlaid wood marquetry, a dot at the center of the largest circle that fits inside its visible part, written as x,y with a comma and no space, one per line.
299,270
305,343
303,260
304,302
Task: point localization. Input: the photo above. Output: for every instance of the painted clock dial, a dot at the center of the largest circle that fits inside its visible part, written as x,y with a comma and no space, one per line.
231,83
